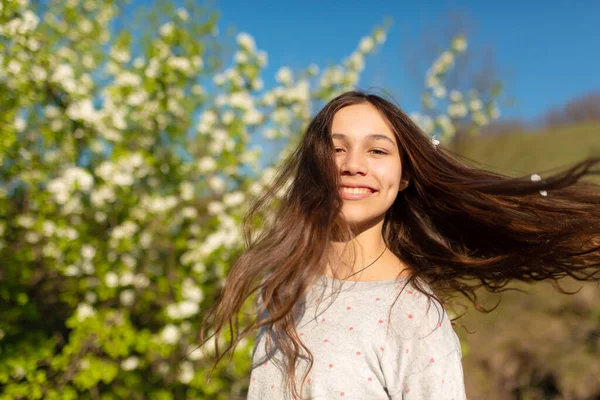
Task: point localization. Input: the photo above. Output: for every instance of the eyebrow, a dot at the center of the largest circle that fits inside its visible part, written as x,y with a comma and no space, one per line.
371,136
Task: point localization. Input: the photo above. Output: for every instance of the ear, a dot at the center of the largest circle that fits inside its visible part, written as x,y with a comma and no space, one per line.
403,184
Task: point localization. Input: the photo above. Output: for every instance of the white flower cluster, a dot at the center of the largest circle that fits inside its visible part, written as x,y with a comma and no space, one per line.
84,265
192,297
65,185
157,204
22,25
124,171
170,334
459,107
227,235
127,278
84,311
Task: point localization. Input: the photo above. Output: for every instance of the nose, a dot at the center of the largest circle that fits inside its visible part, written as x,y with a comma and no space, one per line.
352,163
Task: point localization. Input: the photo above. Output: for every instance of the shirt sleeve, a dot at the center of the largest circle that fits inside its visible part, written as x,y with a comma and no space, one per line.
443,380
425,363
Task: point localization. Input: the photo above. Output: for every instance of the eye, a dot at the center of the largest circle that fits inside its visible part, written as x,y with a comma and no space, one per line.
338,148
380,151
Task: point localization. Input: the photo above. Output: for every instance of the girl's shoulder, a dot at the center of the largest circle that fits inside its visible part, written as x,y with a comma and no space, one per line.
414,315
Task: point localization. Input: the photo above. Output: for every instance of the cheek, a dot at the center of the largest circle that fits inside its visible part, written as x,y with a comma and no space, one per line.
389,177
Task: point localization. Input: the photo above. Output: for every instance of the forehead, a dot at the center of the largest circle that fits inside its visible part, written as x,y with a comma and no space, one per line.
361,122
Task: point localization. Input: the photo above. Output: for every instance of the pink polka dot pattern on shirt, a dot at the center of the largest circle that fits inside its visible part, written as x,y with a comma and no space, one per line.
362,332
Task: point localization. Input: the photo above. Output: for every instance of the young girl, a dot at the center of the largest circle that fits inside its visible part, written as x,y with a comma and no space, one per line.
367,231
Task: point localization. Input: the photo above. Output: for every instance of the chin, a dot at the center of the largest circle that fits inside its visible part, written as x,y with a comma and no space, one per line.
359,219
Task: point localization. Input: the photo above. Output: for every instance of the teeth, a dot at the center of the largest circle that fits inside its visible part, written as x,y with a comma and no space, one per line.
355,190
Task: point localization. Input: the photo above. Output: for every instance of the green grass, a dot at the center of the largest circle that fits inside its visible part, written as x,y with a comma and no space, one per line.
537,151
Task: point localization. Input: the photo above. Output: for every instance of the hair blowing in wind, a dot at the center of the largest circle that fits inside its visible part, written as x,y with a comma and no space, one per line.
459,228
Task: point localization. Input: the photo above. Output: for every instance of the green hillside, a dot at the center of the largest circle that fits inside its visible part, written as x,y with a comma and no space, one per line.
541,345
538,151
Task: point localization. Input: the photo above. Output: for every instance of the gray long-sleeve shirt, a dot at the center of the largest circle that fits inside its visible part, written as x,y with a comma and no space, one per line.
357,354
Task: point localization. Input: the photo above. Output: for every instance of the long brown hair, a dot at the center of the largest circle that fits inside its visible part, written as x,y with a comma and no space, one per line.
457,227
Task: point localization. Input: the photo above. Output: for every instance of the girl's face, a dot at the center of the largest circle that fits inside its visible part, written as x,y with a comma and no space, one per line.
366,155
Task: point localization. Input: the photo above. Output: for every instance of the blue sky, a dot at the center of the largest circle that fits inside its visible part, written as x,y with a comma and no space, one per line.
547,52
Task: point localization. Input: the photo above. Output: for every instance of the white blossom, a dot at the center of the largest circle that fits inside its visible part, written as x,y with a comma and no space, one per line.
189,212
380,36
194,353
180,63
446,58
270,133
241,100
233,199
182,14
127,297
475,105
39,74
432,81
439,92
457,110
219,79
459,44
228,117
120,55
152,69
138,62
262,58
191,292
284,76
111,279
455,95
366,44
197,90
257,84
186,372
14,67
87,251
241,57
141,281
124,230
167,29
91,297
207,164
246,41
479,118
84,311
130,262
130,363
187,191
170,334
83,110
26,221
49,227
215,207
126,78
252,117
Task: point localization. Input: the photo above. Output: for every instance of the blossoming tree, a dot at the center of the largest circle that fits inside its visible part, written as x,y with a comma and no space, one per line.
125,166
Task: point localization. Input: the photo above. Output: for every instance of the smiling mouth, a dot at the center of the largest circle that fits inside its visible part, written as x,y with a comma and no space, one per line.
355,193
